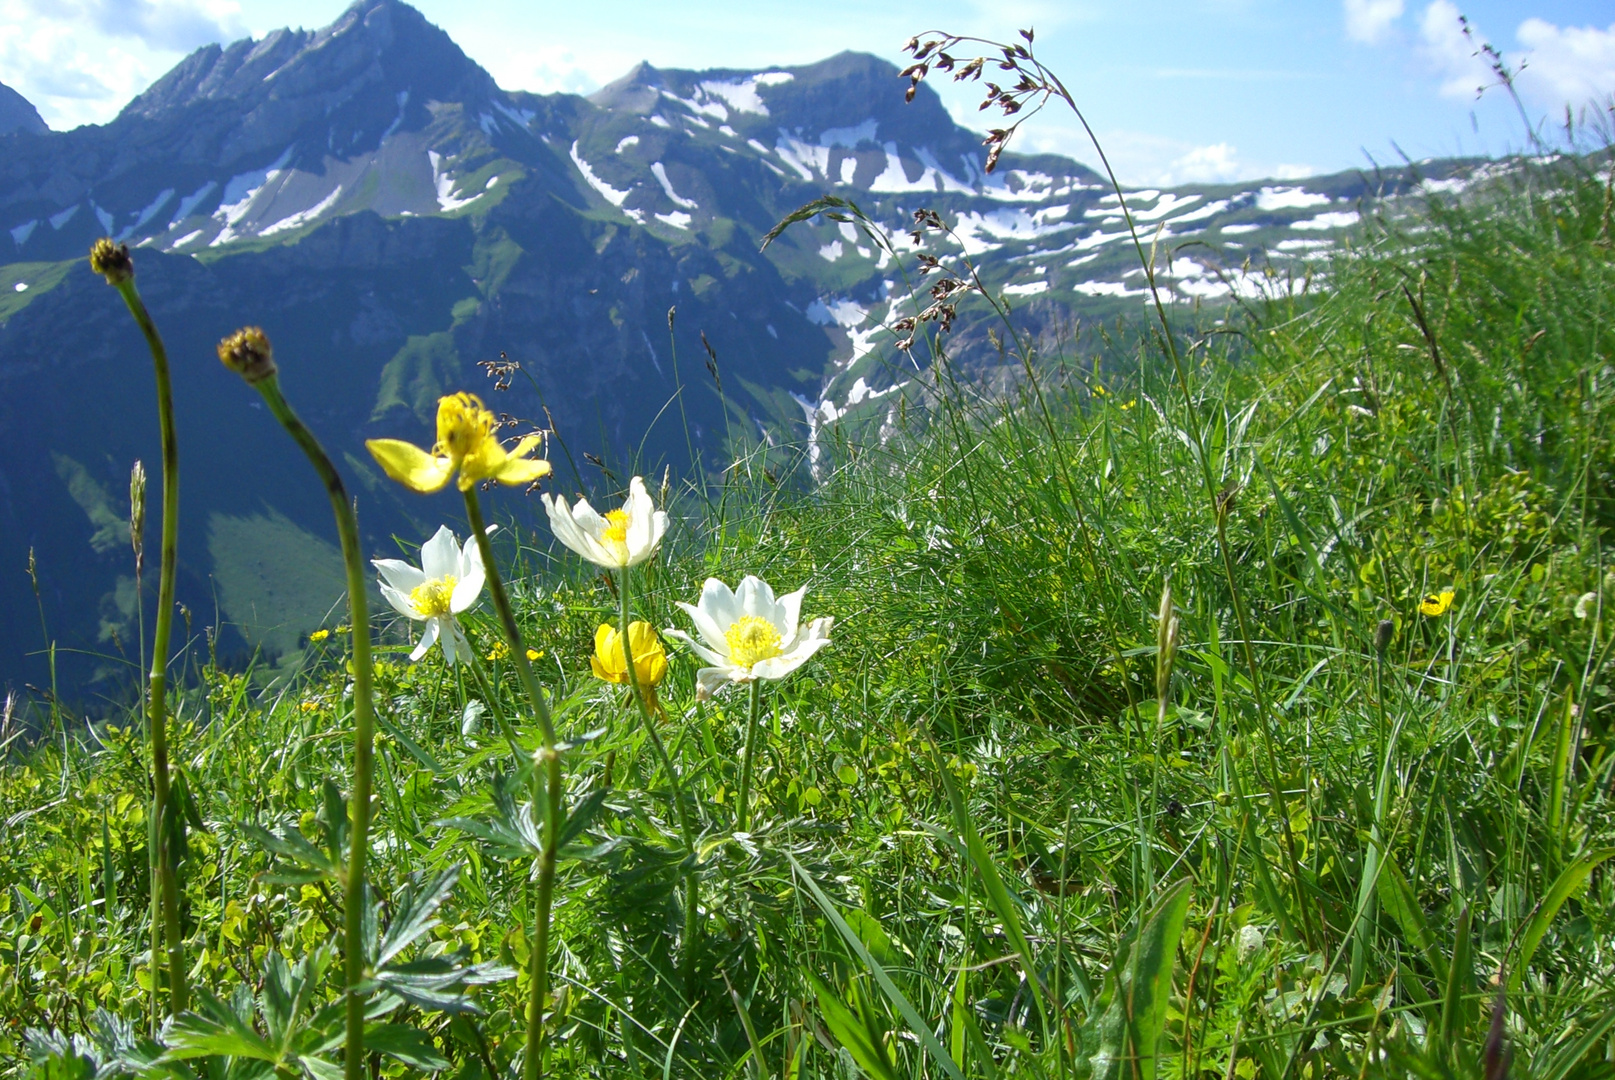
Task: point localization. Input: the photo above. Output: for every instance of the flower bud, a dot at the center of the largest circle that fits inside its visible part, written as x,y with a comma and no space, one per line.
1383,634
112,261
247,353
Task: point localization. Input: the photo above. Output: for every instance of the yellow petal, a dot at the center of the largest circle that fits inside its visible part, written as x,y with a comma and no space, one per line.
521,470
410,465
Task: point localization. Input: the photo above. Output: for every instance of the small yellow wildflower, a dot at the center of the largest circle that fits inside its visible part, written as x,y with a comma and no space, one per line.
1436,604
466,442
309,706
318,636
499,651
533,654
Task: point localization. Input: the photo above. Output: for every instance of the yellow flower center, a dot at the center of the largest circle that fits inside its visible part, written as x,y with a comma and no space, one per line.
432,597
752,639
464,427
616,526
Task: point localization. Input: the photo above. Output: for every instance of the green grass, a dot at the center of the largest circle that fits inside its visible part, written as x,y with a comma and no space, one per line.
974,813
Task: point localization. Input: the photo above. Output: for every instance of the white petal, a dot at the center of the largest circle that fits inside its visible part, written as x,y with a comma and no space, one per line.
428,636
455,646
641,522
710,631
756,597
777,667
400,575
696,647
471,577
790,607
399,601
709,680
719,604
440,556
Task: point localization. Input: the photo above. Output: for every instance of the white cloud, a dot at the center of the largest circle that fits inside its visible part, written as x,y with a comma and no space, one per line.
1451,53
1367,20
1555,66
1570,64
80,61
1203,165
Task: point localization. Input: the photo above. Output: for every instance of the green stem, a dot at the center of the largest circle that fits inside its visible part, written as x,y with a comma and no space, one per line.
742,811
347,527
691,884
538,959
165,885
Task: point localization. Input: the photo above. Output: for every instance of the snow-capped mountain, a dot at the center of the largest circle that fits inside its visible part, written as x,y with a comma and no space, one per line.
392,217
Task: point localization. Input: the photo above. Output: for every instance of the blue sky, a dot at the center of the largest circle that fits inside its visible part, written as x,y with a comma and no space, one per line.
1179,90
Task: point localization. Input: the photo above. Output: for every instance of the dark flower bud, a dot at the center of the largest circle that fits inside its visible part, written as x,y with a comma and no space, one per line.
1383,634
112,261
247,353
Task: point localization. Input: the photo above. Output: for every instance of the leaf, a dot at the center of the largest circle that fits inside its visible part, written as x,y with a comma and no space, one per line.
1148,987
1571,1053
212,1029
997,895
1396,896
416,906
850,1033
407,1044
580,817
1460,984
1569,881
917,1026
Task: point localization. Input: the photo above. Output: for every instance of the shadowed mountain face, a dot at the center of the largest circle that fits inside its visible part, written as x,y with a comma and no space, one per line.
17,113
392,218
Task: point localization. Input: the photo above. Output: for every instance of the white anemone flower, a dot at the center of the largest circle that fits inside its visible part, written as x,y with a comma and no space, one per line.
619,538
747,634
447,582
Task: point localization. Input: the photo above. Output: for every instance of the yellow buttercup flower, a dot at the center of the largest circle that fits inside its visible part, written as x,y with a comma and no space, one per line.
609,664
499,651
468,443
319,635
533,654
1436,604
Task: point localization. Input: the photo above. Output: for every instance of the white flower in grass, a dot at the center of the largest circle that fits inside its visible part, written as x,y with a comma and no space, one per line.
619,538
747,634
447,582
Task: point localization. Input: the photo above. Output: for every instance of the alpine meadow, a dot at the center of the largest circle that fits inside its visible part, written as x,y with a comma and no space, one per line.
1218,689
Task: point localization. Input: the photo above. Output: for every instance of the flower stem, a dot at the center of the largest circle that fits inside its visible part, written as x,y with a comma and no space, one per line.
347,527
742,812
691,883
165,885
538,958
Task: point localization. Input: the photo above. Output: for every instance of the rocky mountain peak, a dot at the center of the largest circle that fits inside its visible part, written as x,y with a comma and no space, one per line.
17,113
381,46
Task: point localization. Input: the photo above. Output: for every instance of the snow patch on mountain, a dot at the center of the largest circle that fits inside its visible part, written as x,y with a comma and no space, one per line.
627,141
1293,198
606,191
240,193
146,214
677,218
303,217
443,182
1007,225
1027,288
660,172
741,95
1338,219
190,202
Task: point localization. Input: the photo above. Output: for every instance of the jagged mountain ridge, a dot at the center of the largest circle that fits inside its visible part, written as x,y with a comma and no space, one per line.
392,217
